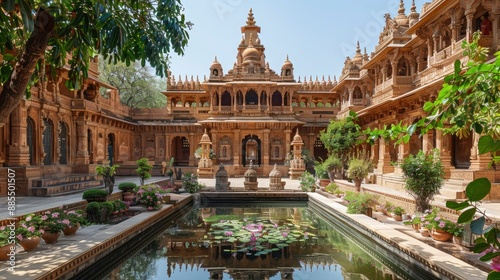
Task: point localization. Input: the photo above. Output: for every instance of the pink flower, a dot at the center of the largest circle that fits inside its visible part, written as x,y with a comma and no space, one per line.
275,226
55,215
31,229
228,233
284,234
44,217
66,222
495,263
19,237
441,224
28,218
437,219
2,228
150,208
42,230
306,234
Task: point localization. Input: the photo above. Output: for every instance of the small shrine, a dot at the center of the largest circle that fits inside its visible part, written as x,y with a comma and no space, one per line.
297,165
205,169
222,180
275,182
250,178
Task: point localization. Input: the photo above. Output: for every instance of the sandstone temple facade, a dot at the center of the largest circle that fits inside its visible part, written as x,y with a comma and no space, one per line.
251,113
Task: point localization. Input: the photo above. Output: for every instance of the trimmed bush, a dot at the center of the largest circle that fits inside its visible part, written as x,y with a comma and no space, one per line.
127,186
94,193
94,212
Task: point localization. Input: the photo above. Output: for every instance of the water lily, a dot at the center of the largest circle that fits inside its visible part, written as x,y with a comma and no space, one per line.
228,233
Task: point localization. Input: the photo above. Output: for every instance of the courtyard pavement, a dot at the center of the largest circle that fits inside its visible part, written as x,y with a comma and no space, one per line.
446,252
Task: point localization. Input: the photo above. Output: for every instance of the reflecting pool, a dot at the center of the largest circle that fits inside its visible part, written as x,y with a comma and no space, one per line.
287,242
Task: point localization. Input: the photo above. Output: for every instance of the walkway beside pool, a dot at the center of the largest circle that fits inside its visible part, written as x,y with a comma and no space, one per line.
43,262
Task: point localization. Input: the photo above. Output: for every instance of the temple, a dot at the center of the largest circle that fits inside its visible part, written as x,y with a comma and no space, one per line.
252,113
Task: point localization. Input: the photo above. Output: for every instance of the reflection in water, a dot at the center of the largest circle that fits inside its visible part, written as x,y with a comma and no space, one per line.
251,243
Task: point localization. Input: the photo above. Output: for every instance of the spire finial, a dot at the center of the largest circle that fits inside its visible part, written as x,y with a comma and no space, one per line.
250,19
250,41
413,7
358,50
401,9
286,57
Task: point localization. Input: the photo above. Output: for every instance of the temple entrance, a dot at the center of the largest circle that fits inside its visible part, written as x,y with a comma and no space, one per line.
251,150
461,152
111,148
180,151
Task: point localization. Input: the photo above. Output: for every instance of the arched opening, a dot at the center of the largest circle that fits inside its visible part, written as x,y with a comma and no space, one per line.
111,148
225,99
251,98
48,141
276,99
30,139
225,149
63,143
461,152
320,152
403,67
389,70
180,150
251,150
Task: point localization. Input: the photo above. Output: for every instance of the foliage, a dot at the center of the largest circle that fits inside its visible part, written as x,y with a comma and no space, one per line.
127,186
108,175
94,193
359,202
143,169
220,218
150,196
398,211
333,164
73,217
5,233
307,182
358,169
119,205
29,227
72,33
191,184
199,150
137,86
51,221
338,192
414,221
257,238
106,208
423,176
341,135
93,212
331,188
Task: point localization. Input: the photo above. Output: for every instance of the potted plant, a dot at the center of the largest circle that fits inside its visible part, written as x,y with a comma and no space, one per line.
358,170
331,188
6,247
359,203
127,189
72,221
414,223
307,182
28,233
94,212
150,196
108,176
386,208
191,184
322,174
338,192
107,208
143,169
423,176
97,195
397,213
167,168
458,234
51,225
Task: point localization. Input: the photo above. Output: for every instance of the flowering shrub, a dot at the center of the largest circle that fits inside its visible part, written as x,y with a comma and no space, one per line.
151,196
51,221
29,227
73,217
358,202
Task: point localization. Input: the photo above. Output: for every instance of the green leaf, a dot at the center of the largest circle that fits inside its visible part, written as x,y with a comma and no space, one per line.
494,275
457,206
466,216
480,247
488,256
485,144
457,67
477,225
478,189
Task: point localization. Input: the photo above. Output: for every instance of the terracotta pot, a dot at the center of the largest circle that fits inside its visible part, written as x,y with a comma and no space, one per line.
441,235
30,243
50,237
5,251
425,232
128,196
397,217
71,230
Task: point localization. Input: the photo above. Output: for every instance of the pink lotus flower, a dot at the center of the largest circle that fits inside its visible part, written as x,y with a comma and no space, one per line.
228,233
495,263
284,234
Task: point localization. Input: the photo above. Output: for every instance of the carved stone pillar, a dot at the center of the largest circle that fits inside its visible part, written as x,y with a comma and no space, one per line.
265,147
18,150
236,147
82,153
469,15
443,144
478,162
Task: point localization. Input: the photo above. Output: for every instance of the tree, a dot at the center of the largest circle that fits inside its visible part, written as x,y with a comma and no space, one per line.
468,101
340,136
35,35
143,169
423,176
137,85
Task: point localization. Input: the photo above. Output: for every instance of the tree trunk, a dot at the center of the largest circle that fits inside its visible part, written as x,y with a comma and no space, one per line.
15,87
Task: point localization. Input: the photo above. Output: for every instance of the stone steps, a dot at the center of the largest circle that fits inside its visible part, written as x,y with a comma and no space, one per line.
64,185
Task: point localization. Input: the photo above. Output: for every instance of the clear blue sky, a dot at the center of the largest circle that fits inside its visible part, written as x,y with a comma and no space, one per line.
317,36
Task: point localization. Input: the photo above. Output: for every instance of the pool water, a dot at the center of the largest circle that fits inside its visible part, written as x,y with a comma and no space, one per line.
256,243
